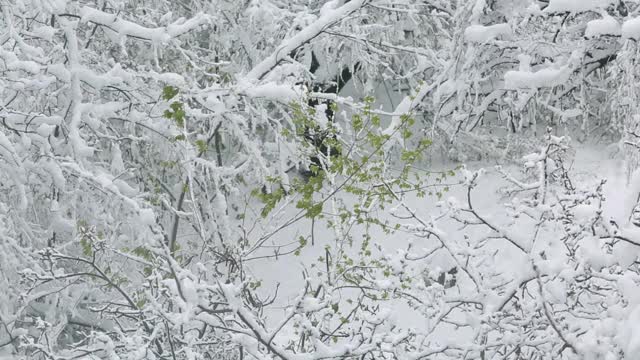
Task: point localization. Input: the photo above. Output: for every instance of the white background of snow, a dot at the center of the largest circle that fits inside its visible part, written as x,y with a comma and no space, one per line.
577,5
605,26
631,29
591,163
482,34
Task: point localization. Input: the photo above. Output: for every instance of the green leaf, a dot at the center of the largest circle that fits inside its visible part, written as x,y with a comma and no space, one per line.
140,303
314,210
356,122
85,243
176,113
169,92
201,145
143,253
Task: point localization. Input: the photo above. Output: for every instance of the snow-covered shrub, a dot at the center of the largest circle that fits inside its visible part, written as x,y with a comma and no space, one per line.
150,155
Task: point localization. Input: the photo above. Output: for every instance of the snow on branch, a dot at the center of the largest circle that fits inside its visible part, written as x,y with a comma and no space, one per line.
631,29
575,6
327,18
605,26
127,28
547,77
483,34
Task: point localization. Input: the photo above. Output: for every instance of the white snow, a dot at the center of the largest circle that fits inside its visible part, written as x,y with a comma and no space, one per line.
629,335
12,62
111,158
127,28
406,106
56,173
329,16
123,27
45,130
272,91
544,78
311,304
477,10
99,81
631,29
556,6
605,26
79,145
556,291
483,34
147,217
45,32
182,26
169,78
117,165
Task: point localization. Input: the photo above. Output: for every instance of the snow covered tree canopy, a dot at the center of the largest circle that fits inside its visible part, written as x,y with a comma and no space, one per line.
265,179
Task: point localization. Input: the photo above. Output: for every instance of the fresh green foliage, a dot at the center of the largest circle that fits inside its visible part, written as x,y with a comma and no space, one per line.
201,145
169,92
270,200
176,112
358,169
